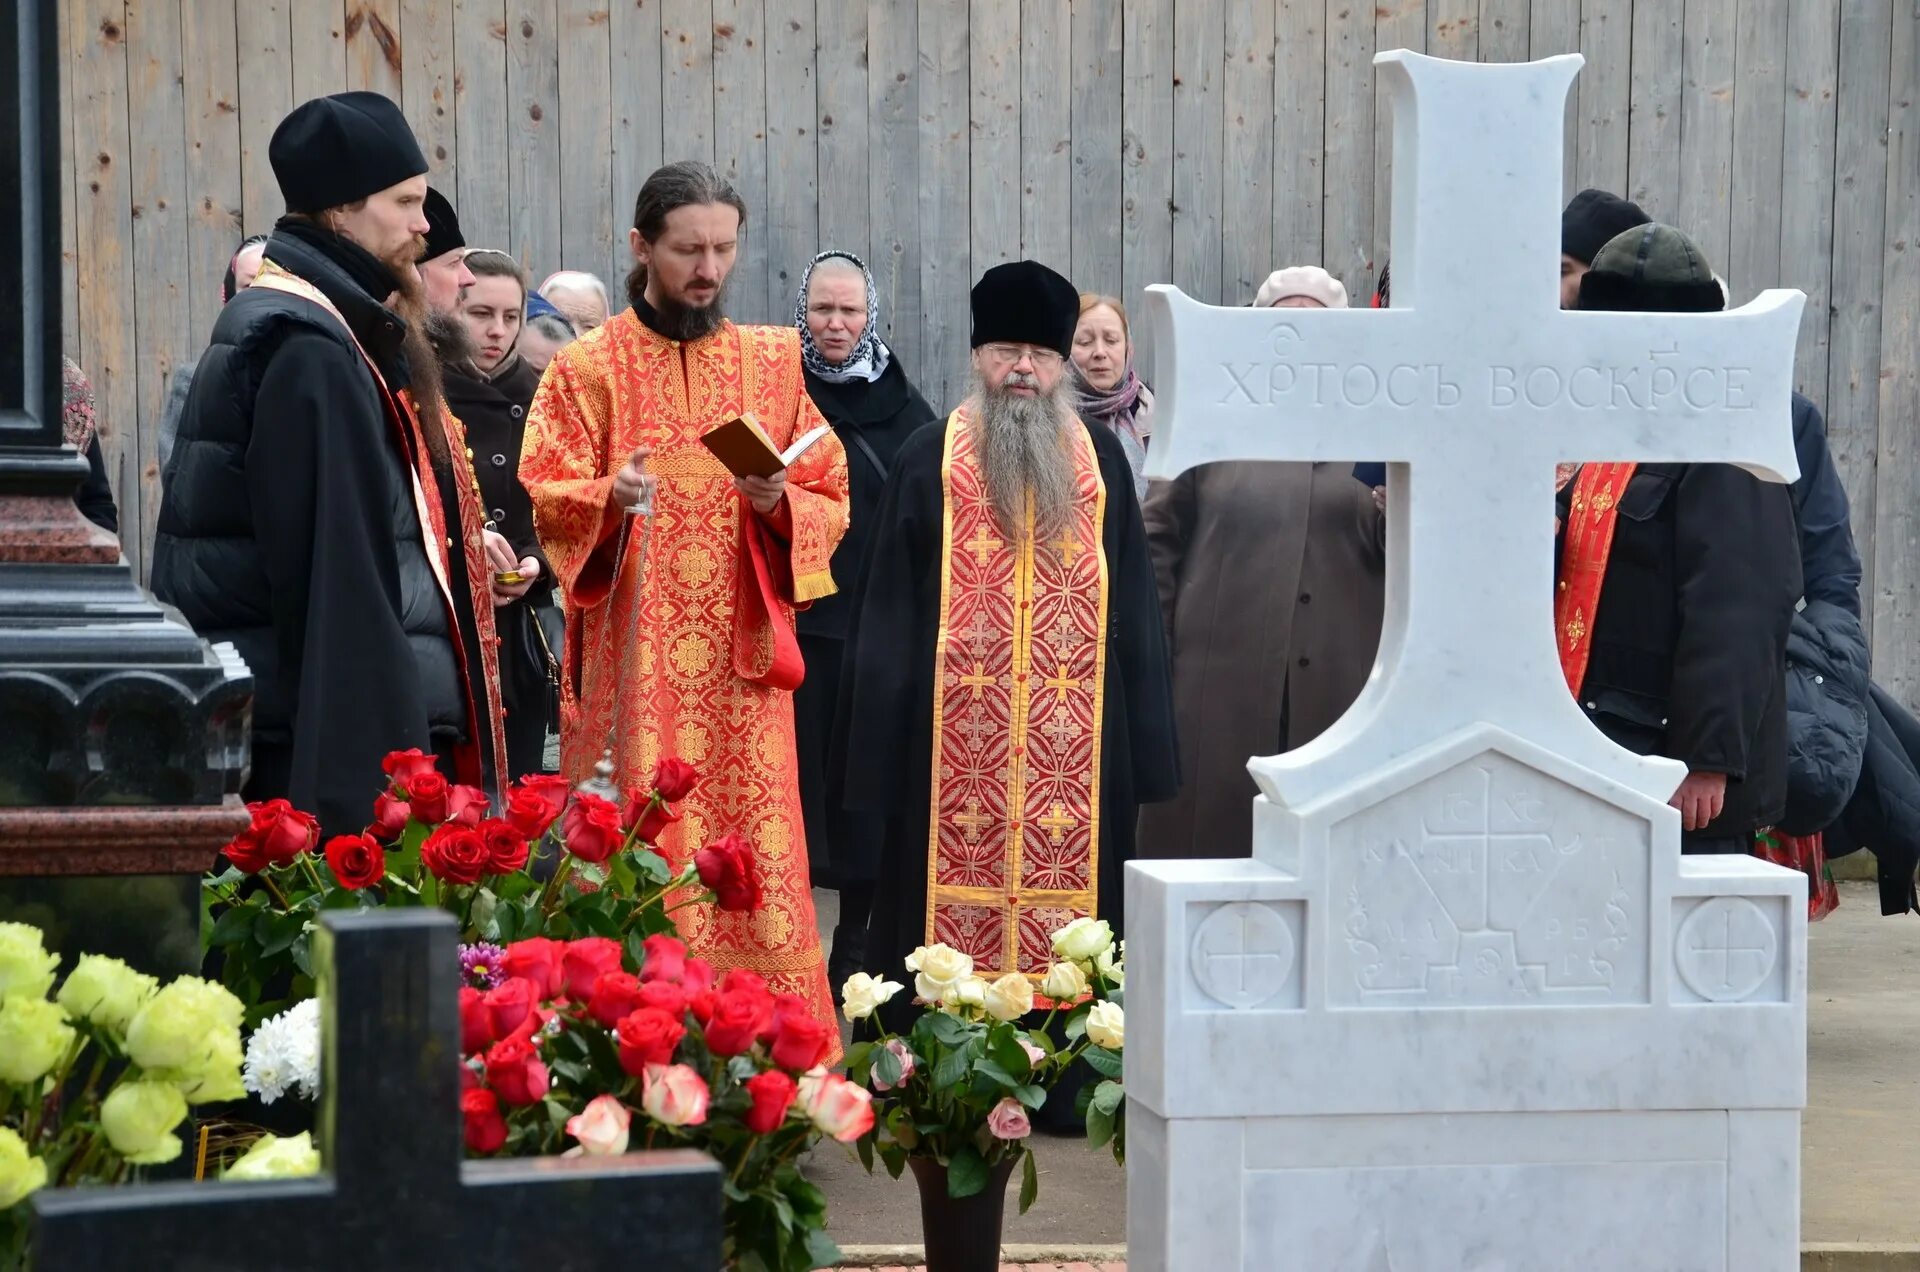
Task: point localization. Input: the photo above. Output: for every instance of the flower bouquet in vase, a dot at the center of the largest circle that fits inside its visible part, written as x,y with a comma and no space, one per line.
954,1093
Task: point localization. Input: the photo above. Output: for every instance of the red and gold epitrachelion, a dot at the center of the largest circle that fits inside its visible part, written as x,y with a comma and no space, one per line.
1014,837
1587,541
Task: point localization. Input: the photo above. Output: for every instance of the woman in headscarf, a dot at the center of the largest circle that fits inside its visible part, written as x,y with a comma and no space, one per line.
81,428
1103,376
241,268
861,389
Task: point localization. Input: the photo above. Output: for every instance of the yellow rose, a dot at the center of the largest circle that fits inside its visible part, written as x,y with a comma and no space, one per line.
1083,939
34,1035
105,991
26,969
863,994
21,1172
1064,982
272,1157
139,1118
189,1034
937,969
217,1076
1107,1026
1010,997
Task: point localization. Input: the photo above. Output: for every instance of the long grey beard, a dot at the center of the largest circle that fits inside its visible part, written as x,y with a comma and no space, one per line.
1022,447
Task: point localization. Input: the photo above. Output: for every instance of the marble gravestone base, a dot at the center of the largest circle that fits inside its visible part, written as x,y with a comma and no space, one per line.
1467,1009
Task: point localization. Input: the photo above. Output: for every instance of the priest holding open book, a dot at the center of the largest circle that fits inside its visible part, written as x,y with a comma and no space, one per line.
687,516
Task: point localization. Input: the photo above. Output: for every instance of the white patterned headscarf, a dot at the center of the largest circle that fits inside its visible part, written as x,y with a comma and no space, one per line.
870,353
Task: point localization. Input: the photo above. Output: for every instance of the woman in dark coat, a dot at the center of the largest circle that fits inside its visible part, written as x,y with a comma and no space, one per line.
489,393
81,428
862,390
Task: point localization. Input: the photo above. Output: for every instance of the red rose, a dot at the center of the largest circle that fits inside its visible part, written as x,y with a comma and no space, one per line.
510,1006
427,792
536,959
673,779
390,816
246,852
802,1042
515,1072
466,805
585,961
534,803
647,1037
283,831
664,996
404,766
486,1128
357,861
697,976
476,1022
736,1021
700,1003
455,854
506,846
615,995
654,822
727,867
741,980
591,828
666,958
772,1093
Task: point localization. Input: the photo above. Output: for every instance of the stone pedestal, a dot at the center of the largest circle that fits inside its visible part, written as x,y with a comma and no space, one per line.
1474,1012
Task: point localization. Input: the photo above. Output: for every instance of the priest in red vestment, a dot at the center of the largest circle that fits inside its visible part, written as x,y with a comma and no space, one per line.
680,640
1005,697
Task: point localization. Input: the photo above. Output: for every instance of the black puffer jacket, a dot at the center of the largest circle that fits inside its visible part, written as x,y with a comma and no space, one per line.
1826,714
288,527
1884,813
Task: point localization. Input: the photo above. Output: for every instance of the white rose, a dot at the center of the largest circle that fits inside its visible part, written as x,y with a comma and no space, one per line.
968,991
1065,982
936,969
1083,939
862,995
1010,997
1107,1026
1111,963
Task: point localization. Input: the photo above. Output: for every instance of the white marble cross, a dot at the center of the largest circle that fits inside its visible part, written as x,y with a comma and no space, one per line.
1472,386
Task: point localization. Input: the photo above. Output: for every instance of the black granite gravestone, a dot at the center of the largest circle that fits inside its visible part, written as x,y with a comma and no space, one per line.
395,1193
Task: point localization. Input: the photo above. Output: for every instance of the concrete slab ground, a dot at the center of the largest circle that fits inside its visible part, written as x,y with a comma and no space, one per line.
1860,1156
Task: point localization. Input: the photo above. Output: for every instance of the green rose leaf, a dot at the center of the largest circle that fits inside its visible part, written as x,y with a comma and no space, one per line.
1108,1097
966,1174
235,924
949,1031
994,1071
1029,1183
1101,1061
952,1069
1099,1127
886,1067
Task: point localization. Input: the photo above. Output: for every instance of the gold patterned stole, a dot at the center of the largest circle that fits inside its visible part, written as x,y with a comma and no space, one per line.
1587,542
1014,836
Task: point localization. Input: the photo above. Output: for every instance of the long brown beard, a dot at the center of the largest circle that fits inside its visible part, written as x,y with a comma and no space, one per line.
423,362
1022,447
686,323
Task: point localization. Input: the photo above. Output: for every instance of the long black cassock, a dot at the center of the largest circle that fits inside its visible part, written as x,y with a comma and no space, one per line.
929,534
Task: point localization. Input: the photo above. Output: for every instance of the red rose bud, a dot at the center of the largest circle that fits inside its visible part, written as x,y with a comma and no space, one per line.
615,996
647,1037
666,958
515,1072
591,828
741,980
674,779
772,1093
736,1021
537,959
801,1043
535,803
506,846
283,831
428,792
404,766
466,805
664,996
654,820
455,854
510,1006
357,861
486,1129
476,1022
698,976
246,852
585,961
727,867
390,817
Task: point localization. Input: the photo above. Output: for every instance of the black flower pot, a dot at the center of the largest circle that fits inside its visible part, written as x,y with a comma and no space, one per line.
962,1233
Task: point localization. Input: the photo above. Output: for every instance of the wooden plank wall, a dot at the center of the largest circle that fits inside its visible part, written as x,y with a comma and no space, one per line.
1123,141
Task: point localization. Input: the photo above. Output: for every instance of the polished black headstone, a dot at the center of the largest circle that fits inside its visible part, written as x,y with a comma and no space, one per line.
395,1193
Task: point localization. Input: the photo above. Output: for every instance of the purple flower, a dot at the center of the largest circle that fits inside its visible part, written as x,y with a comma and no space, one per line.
480,965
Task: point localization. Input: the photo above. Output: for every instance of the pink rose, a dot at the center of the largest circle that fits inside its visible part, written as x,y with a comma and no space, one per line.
1008,1121
674,1095
601,1127
1034,1054
839,1108
904,1055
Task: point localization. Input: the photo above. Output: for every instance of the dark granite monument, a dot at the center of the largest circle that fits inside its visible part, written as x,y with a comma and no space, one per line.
395,1193
124,740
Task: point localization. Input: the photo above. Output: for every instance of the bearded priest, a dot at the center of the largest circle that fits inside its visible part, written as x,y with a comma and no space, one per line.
679,623
1005,700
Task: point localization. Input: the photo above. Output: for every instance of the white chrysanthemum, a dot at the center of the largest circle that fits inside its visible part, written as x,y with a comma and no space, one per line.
284,1054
